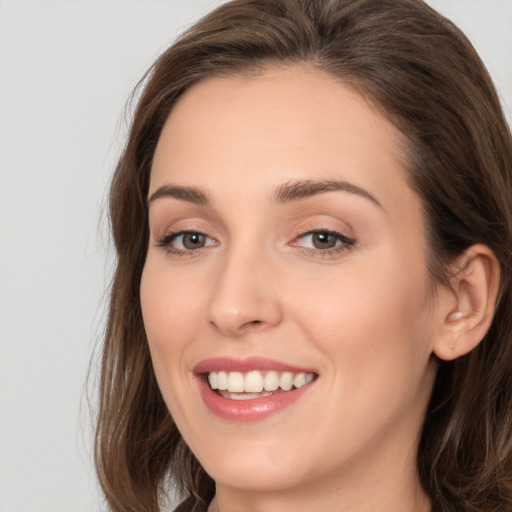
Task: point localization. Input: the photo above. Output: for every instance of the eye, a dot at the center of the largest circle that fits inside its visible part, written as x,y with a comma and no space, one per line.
321,240
324,241
186,241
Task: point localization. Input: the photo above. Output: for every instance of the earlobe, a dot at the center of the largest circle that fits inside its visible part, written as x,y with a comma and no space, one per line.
468,316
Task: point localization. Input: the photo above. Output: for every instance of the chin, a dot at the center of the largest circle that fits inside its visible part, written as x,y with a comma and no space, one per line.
261,464
264,476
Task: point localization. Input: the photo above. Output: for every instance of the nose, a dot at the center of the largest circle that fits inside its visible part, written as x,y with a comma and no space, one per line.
245,297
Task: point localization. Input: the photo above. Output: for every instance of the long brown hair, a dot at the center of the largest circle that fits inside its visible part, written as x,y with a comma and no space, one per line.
422,72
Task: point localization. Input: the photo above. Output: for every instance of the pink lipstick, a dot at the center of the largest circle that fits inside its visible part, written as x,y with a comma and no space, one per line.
250,389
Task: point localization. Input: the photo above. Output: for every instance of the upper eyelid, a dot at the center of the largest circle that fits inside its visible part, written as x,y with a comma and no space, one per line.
181,226
302,228
322,229
346,239
180,232
345,231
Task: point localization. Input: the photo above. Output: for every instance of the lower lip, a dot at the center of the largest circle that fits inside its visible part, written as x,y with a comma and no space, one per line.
255,409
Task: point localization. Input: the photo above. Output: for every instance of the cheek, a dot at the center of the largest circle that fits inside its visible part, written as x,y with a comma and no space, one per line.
168,300
374,331
169,310
373,320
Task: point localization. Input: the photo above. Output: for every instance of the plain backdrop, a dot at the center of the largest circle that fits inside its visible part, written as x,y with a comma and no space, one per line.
67,68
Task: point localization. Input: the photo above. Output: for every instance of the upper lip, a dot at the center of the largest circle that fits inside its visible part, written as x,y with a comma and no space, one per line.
230,364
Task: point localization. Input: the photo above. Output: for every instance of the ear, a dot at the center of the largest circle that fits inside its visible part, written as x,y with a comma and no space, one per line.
467,315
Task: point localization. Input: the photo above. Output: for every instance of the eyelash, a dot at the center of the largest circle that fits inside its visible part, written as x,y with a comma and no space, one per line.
167,240
345,245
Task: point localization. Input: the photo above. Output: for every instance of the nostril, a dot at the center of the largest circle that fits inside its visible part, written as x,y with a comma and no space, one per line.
253,324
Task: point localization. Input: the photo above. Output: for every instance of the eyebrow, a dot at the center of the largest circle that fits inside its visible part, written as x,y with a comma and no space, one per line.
297,190
288,192
189,194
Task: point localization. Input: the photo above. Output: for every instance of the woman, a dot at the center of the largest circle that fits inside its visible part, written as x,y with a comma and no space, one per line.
312,302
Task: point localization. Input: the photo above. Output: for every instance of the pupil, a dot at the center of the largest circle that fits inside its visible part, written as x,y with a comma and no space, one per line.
324,240
193,240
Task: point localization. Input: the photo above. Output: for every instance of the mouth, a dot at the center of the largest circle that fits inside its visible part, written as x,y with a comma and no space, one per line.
233,385
251,389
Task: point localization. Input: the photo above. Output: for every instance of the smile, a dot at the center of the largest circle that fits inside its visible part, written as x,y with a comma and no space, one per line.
256,384
250,389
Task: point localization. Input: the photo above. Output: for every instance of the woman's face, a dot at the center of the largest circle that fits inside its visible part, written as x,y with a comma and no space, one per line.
287,250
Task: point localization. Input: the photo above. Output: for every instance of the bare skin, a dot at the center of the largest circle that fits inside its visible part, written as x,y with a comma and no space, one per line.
333,279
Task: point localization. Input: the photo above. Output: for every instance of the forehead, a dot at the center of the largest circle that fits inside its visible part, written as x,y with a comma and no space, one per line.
256,132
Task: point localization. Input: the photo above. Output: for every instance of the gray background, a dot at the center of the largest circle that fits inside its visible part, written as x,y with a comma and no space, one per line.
66,70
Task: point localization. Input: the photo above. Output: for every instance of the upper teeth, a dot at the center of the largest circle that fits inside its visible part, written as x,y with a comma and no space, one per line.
256,382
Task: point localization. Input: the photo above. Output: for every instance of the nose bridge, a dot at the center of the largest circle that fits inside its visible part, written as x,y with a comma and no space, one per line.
245,296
